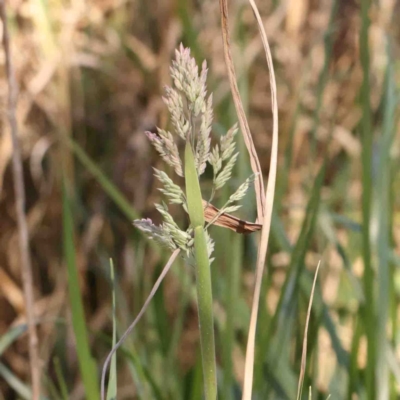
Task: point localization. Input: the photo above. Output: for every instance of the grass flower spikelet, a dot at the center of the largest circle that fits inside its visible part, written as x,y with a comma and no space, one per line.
171,190
227,143
155,232
167,148
226,172
175,104
241,190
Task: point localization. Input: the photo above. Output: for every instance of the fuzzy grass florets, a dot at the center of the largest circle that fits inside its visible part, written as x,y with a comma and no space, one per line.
191,116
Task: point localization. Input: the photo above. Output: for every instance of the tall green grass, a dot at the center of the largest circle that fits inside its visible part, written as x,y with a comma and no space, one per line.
366,305
278,361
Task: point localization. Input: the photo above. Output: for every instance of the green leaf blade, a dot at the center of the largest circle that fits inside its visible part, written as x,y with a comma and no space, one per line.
87,365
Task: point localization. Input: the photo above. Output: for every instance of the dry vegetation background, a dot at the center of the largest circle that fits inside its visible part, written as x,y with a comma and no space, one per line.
94,71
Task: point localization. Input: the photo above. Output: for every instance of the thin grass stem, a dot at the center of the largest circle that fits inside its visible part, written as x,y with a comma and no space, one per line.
366,137
203,276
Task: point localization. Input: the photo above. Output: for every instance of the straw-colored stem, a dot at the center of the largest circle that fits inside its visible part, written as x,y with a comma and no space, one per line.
203,275
20,197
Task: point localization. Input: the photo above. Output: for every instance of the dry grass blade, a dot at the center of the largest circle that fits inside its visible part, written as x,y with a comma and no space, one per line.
244,126
136,320
19,189
268,204
304,352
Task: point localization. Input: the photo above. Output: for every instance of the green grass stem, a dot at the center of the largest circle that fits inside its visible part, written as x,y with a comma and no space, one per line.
112,379
366,158
60,379
203,275
383,238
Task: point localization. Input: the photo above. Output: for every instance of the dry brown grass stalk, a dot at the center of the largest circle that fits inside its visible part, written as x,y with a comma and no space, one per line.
268,205
264,203
244,126
19,190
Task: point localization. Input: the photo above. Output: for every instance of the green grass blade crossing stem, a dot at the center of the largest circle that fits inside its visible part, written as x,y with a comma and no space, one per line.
112,379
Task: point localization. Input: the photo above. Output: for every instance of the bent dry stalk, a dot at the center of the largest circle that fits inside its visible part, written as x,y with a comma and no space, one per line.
191,117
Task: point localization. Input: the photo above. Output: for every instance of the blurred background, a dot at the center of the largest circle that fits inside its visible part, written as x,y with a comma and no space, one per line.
91,75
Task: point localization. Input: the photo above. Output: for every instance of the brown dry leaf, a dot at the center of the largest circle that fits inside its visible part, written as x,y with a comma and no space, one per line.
296,15
5,155
147,58
229,221
48,306
11,292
